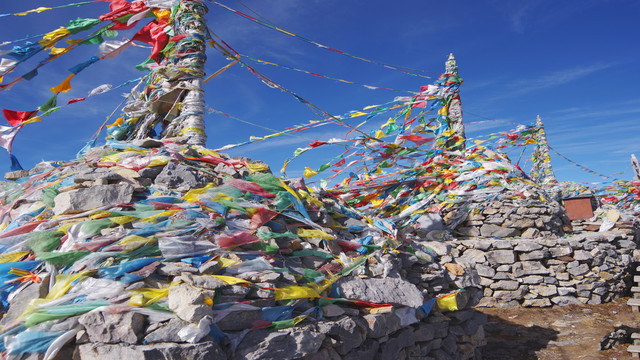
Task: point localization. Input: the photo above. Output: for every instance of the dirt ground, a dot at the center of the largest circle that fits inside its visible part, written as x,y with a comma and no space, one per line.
571,332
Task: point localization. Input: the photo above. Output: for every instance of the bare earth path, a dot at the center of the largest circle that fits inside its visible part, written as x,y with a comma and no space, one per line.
571,332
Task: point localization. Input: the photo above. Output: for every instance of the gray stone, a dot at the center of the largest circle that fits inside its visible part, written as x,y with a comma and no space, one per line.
485,271
626,244
388,290
532,279
536,303
108,328
166,351
382,324
501,257
558,251
91,198
166,332
564,291
367,350
279,345
502,244
348,333
482,244
239,320
504,267
440,248
147,143
544,290
428,222
565,300
490,230
332,310
534,255
175,268
502,275
527,246
180,177
523,224
203,281
391,348
472,257
424,332
530,233
188,302
19,303
15,175
93,174
150,172
506,295
504,285
579,270
582,255
469,231
524,268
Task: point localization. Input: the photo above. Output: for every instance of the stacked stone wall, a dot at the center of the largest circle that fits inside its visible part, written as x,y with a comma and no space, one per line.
586,268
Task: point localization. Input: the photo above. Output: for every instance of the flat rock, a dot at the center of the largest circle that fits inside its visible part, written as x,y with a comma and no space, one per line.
209,350
188,302
180,177
279,345
490,230
166,332
382,291
91,198
108,328
496,257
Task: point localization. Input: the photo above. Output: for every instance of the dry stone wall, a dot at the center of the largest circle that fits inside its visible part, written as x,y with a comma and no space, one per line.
510,216
585,268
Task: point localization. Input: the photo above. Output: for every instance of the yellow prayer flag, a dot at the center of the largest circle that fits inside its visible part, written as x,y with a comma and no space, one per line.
313,233
448,302
230,280
64,85
309,172
52,37
38,10
13,257
296,292
254,167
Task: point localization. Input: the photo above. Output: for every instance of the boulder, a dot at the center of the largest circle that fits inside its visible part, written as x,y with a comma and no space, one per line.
102,327
382,291
90,198
490,230
209,350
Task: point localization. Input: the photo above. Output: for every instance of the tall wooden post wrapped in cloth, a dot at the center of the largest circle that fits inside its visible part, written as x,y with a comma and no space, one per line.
542,172
172,102
452,139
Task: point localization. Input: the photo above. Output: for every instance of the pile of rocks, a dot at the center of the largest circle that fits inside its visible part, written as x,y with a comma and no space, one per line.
585,268
161,250
510,215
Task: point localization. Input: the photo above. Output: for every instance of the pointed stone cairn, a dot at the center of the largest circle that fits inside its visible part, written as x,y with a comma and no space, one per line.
542,172
189,56
636,167
455,139
173,97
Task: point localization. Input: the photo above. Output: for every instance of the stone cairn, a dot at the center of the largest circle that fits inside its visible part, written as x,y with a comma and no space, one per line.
153,249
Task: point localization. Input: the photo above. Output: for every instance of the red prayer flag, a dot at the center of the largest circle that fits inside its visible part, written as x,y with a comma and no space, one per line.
317,143
17,117
153,34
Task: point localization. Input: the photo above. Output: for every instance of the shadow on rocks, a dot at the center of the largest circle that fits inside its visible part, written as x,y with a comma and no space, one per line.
507,340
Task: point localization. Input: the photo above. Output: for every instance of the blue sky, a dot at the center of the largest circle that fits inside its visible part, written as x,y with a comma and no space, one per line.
575,63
